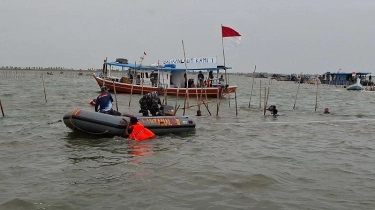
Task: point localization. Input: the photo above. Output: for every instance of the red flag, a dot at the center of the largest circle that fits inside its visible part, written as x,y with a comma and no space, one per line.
229,32
231,36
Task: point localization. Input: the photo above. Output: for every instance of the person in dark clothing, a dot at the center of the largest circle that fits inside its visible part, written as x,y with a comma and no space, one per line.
104,103
150,102
105,67
201,79
153,78
273,110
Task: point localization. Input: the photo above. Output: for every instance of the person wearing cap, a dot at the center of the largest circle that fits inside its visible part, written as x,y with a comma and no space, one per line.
150,102
104,102
136,131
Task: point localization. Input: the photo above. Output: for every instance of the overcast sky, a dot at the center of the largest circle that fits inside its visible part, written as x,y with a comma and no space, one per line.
280,36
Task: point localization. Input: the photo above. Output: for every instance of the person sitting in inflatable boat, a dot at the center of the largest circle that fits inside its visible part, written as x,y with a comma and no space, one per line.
104,103
136,131
273,110
150,102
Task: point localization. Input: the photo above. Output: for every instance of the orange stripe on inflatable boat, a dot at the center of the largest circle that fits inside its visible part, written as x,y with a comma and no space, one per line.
76,112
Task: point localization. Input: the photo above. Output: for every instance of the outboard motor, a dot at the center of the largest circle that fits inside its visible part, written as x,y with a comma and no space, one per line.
166,110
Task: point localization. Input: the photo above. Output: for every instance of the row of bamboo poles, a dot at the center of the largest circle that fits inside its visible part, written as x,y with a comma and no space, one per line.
37,74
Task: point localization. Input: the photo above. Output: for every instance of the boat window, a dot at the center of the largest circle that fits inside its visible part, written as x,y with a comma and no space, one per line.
146,74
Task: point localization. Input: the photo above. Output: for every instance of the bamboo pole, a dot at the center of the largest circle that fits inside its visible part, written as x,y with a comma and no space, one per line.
295,100
264,103
260,94
105,71
178,91
316,95
217,102
44,88
198,103
142,82
176,109
131,90
186,91
205,104
194,105
235,101
252,85
114,90
2,110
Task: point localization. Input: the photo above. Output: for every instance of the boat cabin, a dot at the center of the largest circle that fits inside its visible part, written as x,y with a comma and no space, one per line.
167,76
342,78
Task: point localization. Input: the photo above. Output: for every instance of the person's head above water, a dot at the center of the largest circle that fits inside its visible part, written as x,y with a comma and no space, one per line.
326,111
133,120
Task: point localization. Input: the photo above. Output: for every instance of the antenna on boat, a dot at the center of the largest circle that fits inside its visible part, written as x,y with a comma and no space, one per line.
186,102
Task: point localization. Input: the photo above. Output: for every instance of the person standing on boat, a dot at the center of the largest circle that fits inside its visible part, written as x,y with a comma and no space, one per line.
153,78
150,102
104,102
221,80
200,79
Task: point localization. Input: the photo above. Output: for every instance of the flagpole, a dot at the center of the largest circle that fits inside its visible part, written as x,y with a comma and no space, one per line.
225,67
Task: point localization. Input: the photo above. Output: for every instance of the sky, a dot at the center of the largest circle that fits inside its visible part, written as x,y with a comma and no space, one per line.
278,36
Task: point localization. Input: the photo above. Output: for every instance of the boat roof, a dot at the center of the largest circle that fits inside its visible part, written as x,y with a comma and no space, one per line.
165,68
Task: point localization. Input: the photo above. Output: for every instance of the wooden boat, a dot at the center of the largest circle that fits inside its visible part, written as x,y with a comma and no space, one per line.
96,123
139,80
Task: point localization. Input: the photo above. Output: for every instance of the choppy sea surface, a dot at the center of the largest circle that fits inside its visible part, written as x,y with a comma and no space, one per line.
302,159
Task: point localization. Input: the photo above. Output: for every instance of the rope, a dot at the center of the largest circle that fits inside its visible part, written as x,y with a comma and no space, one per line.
70,120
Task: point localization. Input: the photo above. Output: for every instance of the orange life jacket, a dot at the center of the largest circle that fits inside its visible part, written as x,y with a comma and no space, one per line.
140,133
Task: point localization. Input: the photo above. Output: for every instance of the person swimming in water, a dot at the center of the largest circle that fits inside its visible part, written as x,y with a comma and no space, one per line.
273,110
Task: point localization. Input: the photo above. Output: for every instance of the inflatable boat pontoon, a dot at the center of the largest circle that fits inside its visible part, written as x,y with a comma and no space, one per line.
108,125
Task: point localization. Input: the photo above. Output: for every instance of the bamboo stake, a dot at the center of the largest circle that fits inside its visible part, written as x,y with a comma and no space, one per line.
264,103
175,110
252,86
194,105
2,111
114,90
131,90
142,82
178,90
186,91
217,103
205,104
199,106
235,101
295,100
260,94
105,71
316,96
44,88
